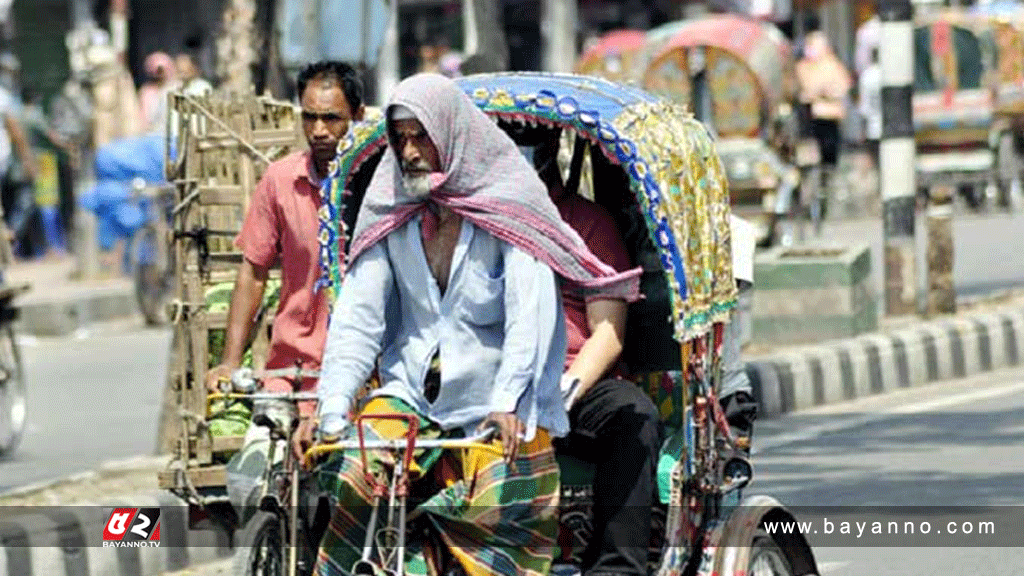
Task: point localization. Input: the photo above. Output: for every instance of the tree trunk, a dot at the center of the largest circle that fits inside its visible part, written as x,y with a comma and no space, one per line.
235,46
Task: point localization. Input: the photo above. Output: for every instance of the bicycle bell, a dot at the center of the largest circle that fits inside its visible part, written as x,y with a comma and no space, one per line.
242,381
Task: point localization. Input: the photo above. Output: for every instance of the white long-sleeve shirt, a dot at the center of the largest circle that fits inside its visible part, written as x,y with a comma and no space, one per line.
499,329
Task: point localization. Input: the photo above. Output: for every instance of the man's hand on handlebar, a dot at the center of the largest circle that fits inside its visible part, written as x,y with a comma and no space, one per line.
509,428
218,375
303,438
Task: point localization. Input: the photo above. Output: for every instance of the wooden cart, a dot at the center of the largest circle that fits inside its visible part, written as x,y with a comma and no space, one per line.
218,147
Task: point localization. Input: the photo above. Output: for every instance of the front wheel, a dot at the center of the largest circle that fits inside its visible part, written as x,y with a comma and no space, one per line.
261,550
766,558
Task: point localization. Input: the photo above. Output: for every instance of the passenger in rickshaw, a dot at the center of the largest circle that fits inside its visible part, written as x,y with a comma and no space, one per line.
614,424
281,225
452,282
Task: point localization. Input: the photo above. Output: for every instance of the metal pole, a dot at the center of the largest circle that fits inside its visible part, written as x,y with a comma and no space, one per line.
312,31
364,41
558,33
387,62
80,13
897,154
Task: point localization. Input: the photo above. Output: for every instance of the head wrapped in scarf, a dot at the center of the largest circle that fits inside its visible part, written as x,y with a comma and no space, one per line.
486,180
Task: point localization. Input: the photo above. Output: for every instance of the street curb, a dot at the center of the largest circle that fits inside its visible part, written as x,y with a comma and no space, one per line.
931,351
66,316
67,540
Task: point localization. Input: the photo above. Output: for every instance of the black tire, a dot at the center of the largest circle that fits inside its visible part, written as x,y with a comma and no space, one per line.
260,550
766,558
12,392
153,283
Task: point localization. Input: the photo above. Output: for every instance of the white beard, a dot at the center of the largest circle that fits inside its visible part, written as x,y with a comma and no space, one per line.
417,186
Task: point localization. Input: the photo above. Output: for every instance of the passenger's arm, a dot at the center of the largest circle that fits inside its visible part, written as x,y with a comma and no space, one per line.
246,298
607,321
354,337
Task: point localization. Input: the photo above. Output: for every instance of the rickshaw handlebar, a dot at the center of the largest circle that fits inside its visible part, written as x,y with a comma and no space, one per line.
480,440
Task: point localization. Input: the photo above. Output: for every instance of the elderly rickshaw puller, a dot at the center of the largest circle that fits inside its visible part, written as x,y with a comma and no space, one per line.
452,281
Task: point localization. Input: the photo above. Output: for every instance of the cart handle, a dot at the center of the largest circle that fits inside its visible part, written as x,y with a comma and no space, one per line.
290,396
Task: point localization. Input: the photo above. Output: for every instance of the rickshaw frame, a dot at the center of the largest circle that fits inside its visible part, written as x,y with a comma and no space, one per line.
629,128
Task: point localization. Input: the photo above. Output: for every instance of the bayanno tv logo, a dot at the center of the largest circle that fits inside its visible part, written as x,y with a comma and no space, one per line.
132,528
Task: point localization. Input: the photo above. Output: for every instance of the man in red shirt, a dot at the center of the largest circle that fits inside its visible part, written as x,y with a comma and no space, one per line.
614,424
281,226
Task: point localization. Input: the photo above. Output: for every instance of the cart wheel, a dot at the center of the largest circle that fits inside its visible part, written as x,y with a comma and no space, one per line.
12,392
766,558
260,550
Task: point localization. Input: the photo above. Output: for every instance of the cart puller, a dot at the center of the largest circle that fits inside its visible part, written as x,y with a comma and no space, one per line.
281,225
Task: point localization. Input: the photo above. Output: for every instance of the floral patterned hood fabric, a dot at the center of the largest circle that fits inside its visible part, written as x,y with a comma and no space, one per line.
674,174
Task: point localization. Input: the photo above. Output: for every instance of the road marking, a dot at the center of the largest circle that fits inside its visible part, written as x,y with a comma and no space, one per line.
814,432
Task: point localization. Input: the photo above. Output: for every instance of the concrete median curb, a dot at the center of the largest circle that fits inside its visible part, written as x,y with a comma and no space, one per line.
931,351
67,540
64,314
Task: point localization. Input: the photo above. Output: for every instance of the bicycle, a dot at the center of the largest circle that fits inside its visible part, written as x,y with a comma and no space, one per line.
152,260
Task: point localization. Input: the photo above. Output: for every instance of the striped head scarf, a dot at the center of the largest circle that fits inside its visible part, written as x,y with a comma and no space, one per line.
486,180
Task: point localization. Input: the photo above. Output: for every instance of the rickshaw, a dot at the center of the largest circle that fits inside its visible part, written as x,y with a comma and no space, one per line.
656,170
966,103
737,76
613,56
1008,80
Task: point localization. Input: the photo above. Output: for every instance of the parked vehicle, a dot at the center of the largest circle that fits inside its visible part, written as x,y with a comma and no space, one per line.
737,76
152,260
612,56
968,104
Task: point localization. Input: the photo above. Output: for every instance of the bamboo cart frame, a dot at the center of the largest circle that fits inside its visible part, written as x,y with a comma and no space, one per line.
218,146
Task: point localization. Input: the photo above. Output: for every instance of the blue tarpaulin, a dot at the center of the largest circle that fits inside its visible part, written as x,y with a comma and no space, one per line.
119,214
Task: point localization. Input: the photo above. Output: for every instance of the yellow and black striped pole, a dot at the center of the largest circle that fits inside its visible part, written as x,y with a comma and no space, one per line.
897,153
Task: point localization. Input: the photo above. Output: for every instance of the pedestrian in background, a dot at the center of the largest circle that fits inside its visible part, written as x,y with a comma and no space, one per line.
192,82
47,145
161,80
824,86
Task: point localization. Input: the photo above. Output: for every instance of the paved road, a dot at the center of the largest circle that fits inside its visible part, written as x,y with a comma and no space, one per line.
90,400
954,444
